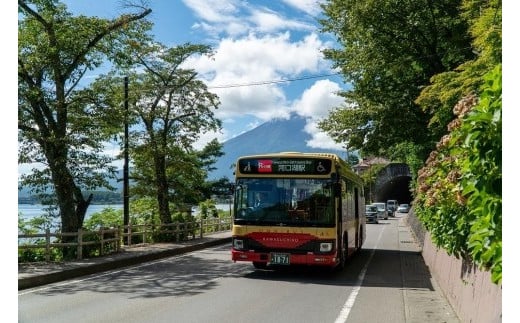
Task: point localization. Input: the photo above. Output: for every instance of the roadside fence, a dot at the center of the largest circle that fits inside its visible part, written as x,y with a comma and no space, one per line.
109,240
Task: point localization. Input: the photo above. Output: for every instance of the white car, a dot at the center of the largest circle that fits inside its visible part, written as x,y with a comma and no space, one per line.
403,208
382,212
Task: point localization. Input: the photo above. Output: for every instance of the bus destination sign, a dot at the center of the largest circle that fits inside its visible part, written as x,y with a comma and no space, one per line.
293,166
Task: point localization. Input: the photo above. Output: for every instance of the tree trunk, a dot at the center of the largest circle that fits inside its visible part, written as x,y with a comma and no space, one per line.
162,190
71,203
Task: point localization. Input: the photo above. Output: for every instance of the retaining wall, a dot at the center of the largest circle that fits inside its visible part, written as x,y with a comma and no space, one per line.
469,290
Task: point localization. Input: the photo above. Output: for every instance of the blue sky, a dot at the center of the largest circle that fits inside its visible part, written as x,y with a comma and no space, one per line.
254,41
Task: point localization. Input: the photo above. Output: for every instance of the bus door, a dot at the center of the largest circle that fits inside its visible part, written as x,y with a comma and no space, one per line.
356,203
339,192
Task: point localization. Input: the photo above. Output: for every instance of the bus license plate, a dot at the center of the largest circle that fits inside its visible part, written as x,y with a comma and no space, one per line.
280,258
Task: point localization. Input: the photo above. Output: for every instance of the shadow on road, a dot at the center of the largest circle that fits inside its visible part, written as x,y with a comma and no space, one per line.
196,273
387,268
188,275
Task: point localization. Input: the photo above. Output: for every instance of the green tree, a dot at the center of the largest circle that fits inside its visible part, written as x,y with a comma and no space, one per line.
458,194
173,108
388,50
221,187
60,124
446,89
369,181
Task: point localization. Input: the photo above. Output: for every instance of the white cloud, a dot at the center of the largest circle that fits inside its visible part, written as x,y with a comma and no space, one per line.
269,21
315,104
209,136
319,138
310,7
235,18
318,100
253,60
215,11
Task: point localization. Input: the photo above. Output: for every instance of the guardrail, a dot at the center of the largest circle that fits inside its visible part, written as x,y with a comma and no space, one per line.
109,240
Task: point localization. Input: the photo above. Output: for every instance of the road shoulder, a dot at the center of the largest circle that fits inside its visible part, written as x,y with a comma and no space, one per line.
423,299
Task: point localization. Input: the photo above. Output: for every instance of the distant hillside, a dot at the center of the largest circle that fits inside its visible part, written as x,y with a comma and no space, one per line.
24,193
272,136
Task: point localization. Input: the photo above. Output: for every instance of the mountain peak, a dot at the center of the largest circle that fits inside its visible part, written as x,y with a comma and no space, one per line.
276,135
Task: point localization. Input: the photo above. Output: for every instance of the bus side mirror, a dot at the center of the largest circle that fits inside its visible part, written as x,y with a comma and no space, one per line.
232,189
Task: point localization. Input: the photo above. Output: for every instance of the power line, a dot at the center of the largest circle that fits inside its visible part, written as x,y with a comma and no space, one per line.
272,81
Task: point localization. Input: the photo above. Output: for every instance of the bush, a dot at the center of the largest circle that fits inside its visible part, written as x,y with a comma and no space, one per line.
38,254
459,195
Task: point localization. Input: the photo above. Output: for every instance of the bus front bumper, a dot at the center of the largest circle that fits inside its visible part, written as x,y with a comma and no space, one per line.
294,259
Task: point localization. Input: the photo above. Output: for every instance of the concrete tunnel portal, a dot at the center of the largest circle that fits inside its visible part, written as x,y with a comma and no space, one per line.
393,183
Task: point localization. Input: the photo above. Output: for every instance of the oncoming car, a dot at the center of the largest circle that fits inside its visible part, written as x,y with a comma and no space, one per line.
371,213
391,206
403,208
382,212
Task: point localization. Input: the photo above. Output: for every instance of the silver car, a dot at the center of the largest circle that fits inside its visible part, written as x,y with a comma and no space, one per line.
382,212
371,213
403,208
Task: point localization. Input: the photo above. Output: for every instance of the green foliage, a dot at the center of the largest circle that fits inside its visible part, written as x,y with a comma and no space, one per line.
144,211
39,254
389,50
106,218
62,124
446,89
208,208
186,223
34,226
459,195
409,64
106,197
410,154
170,107
461,202
482,179
369,179
352,160
141,211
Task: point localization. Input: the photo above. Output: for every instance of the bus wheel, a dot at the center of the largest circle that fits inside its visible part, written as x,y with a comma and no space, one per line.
259,265
360,241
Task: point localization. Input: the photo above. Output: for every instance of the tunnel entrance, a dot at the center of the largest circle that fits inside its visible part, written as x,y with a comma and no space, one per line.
393,183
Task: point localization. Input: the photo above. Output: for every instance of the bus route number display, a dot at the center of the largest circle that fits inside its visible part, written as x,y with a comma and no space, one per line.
285,166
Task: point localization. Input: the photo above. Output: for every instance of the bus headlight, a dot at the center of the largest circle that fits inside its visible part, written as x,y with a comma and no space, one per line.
325,246
238,244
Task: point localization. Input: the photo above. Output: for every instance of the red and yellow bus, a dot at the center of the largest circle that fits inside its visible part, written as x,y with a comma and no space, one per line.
297,208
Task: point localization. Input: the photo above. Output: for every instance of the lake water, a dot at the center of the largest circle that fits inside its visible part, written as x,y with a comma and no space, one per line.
29,211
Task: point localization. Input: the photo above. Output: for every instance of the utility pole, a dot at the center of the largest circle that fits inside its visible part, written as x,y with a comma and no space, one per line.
126,217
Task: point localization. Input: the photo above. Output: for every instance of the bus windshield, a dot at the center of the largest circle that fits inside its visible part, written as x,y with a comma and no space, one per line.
282,201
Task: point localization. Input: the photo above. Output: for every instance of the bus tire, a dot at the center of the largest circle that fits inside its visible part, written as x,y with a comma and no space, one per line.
360,241
343,252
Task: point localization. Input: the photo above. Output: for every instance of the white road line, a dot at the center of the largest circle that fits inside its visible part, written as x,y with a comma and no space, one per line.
345,311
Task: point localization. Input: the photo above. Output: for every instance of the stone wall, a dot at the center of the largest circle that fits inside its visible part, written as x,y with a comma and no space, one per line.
469,290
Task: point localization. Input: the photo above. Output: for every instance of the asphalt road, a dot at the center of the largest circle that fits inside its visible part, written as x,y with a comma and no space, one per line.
386,282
